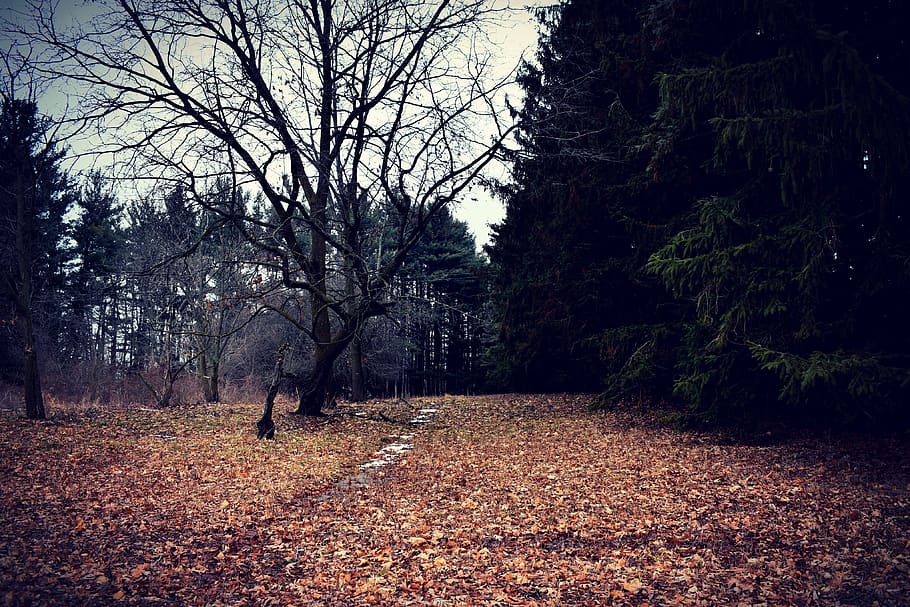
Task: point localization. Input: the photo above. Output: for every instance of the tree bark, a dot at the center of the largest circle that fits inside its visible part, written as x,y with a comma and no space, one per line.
25,247
114,321
168,392
314,396
265,427
358,394
208,377
358,391
34,400
316,392
214,380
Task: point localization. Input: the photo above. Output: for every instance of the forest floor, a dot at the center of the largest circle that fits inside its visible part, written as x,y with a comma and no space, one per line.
503,500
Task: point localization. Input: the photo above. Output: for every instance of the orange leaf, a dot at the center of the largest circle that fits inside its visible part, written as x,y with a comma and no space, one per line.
138,570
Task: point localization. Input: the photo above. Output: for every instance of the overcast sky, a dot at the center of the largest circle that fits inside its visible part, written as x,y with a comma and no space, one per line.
518,38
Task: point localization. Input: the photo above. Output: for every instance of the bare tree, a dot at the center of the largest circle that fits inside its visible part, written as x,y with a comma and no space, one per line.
329,108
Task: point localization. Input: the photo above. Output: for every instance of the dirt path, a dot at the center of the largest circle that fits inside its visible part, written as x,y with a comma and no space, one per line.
508,500
395,446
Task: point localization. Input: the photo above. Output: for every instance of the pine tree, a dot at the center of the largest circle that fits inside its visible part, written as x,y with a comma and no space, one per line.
432,341
448,277
581,220
34,196
789,124
99,240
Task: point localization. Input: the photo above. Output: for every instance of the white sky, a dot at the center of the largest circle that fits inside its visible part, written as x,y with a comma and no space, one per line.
517,38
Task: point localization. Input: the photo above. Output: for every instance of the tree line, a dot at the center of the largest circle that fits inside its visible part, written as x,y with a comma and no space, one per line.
156,298
709,209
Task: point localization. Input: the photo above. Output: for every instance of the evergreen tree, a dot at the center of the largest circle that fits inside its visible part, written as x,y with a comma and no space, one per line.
190,280
98,239
431,342
581,218
447,278
34,197
793,120
760,176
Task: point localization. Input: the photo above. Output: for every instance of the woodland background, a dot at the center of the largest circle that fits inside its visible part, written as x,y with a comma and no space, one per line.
707,211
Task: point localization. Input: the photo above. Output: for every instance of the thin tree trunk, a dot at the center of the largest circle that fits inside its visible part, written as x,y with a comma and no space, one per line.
114,320
438,366
265,427
356,349
214,380
358,391
34,400
25,245
204,379
208,378
168,393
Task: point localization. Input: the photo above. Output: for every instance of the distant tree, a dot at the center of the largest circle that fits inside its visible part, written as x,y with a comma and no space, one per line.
34,195
160,226
190,276
99,240
216,280
429,342
447,283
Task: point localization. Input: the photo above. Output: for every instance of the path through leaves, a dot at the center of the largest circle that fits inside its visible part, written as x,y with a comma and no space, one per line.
504,500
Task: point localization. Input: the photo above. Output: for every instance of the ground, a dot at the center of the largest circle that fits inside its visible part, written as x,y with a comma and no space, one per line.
503,500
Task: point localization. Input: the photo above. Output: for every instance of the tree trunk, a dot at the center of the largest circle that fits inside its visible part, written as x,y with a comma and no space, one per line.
208,394
164,400
316,390
214,380
438,367
208,377
114,319
358,392
313,397
204,378
25,249
265,427
34,400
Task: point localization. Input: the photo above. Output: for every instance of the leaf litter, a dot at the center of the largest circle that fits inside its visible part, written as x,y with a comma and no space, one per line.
500,500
